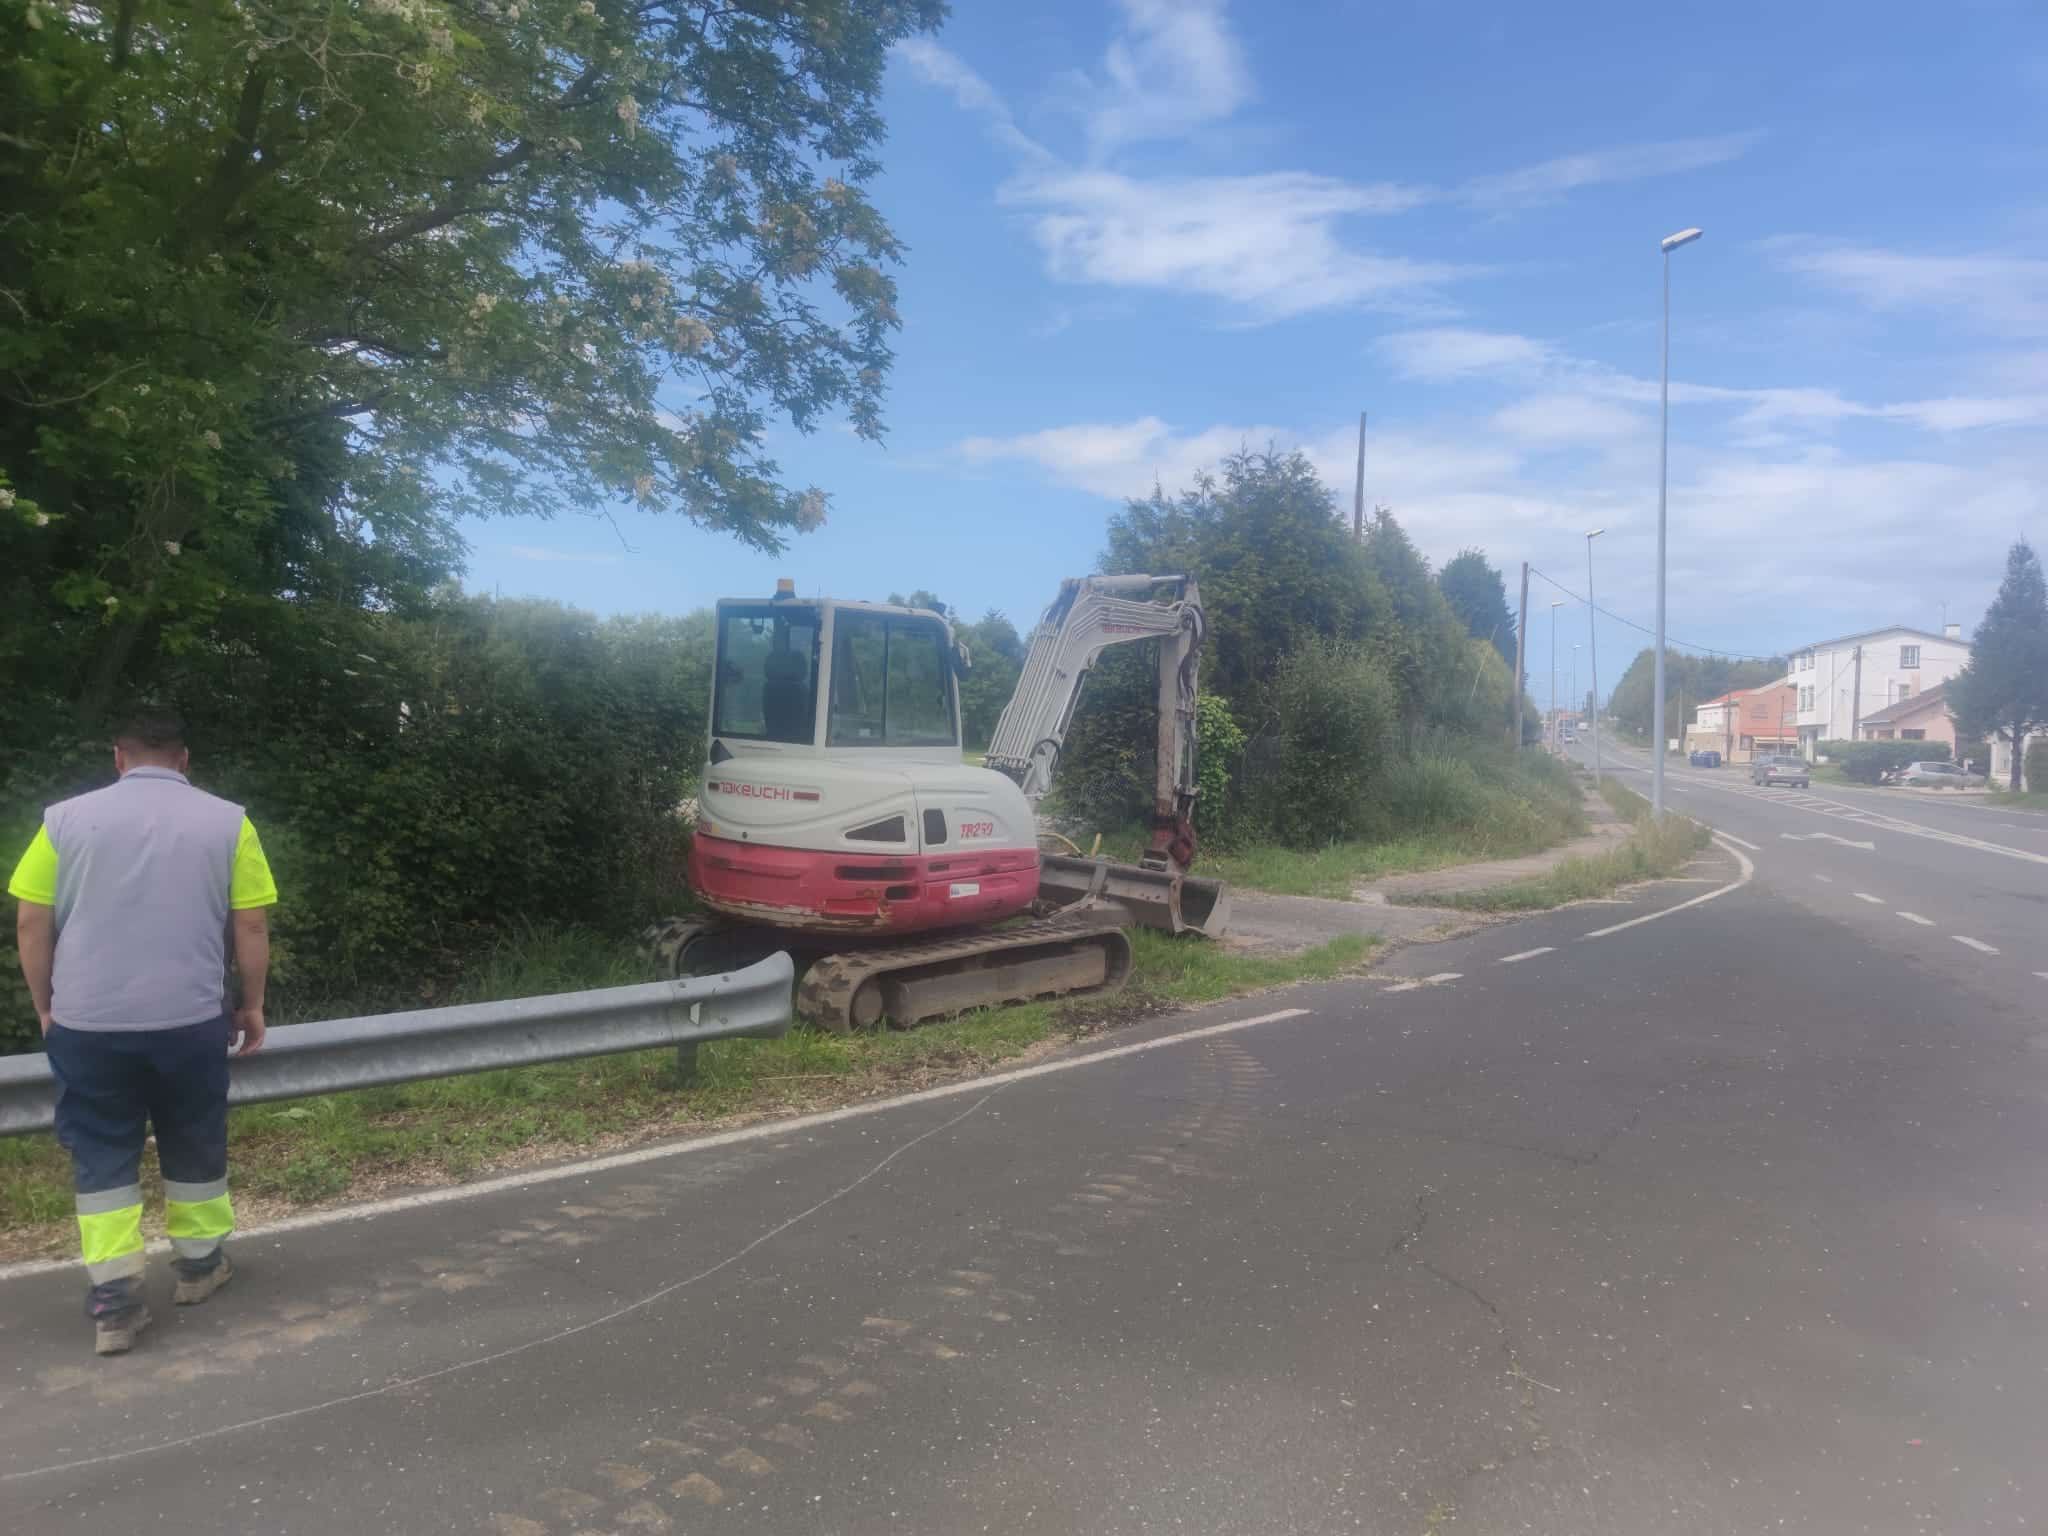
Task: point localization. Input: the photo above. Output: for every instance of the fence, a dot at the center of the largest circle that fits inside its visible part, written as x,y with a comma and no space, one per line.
337,1054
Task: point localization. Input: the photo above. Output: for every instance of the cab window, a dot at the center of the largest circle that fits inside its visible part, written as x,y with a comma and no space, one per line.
891,685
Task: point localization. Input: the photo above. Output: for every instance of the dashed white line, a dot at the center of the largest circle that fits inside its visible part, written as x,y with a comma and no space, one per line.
1823,879
2042,974
1442,976
1915,917
1977,944
1528,954
1752,847
1875,901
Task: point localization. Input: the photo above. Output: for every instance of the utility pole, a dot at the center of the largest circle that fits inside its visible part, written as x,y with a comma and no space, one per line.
1521,655
1856,698
1358,491
1593,650
1551,736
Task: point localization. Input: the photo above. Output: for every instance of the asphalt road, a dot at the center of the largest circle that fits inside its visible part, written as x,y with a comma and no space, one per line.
1725,1221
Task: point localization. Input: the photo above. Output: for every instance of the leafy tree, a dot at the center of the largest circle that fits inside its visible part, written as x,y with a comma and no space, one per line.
996,656
1689,681
288,287
2003,688
1275,563
1479,597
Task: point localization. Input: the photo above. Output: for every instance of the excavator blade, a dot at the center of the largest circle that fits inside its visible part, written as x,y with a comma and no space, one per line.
1153,898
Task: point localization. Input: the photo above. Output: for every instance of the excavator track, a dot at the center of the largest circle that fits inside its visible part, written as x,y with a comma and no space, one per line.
908,983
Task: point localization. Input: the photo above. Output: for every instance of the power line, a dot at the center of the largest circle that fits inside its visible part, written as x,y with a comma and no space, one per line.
1684,645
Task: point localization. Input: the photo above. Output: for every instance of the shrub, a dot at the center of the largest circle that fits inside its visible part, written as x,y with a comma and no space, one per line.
1219,748
2037,767
1337,716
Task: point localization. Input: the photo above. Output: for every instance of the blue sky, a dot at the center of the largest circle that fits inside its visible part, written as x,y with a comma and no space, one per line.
1142,233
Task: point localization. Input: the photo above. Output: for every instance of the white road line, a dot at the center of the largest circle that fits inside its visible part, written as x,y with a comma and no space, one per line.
1977,944
761,1132
1405,986
1915,917
1443,976
1875,901
1528,954
1738,842
2042,974
1748,874
1823,879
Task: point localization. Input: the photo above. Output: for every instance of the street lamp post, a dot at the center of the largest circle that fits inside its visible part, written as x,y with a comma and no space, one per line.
1593,649
1669,244
1576,648
1554,743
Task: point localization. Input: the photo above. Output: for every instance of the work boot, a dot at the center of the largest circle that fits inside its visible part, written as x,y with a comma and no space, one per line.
116,1335
195,1285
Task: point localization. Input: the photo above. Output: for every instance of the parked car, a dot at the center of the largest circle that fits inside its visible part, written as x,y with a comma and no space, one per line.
1705,759
1780,770
1939,775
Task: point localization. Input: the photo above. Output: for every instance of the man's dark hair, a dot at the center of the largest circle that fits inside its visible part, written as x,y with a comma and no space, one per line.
157,733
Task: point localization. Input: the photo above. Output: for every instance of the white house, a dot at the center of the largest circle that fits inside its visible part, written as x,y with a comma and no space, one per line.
1892,664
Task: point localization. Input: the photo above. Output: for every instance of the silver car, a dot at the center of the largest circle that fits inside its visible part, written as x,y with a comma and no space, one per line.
1780,770
1940,776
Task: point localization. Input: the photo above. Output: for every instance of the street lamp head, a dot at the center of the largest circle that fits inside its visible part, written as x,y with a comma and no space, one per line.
1558,604
1595,533
1671,243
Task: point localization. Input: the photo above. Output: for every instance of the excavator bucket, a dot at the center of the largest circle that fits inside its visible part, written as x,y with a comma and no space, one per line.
1153,898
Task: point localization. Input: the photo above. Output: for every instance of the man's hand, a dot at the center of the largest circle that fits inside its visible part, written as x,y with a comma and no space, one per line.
43,1018
248,1030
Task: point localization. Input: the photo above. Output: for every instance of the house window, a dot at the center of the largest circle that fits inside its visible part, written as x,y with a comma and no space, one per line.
1912,735
1806,698
1909,658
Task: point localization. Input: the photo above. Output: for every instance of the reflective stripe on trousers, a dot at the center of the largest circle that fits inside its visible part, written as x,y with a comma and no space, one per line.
197,1217
110,1233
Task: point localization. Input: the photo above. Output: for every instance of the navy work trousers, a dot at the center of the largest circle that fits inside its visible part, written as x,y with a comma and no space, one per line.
113,1086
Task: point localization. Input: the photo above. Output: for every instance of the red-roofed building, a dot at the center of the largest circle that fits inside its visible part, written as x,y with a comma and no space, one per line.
1747,721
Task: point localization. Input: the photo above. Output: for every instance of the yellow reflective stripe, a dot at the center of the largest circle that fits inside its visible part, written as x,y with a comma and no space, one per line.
106,1237
35,877
251,885
203,1219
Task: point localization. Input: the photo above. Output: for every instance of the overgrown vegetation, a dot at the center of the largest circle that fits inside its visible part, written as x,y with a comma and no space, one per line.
2002,690
317,1149
1653,850
1454,800
1336,660
1689,681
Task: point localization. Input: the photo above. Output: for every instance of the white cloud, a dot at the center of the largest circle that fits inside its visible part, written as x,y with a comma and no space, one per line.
1567,418
1552,179
940,67
1447,353
1269,243
1119,459
2004,293
1174,67
541,553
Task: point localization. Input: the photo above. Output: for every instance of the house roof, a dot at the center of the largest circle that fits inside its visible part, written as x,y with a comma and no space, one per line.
1891,714
1888,629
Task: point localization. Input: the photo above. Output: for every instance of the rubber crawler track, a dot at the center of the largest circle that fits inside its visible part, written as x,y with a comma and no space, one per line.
826,995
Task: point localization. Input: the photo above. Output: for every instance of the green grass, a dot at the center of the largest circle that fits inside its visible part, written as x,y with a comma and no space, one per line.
452,1128
1652,851
2026,800
1447,804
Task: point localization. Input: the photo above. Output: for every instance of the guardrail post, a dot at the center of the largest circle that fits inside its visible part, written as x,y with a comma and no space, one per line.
686,1063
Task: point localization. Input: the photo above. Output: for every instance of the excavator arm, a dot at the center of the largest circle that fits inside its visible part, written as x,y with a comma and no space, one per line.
1091,614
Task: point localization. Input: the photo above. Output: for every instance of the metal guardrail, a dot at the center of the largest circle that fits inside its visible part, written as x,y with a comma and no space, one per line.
332,1055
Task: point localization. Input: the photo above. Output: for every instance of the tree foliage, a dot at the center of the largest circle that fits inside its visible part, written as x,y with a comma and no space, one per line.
286,287
1479,597
1689,681
2003,688
1288,594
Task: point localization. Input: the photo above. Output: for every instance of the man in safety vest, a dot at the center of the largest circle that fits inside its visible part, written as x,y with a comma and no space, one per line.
126,895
